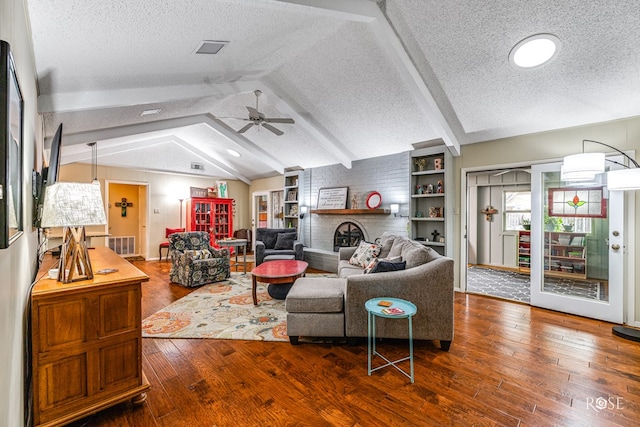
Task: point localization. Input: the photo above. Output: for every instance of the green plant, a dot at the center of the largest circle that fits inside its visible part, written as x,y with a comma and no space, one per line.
552,223
525,221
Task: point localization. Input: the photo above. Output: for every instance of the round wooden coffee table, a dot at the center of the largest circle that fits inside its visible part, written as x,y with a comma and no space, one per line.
276,273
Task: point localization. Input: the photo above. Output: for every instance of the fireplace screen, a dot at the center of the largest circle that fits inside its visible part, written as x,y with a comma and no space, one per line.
347,234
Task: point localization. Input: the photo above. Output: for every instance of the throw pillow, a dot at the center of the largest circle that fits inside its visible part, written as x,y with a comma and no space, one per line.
364,254
384,266
374,263
396,247
386,242
417,254
285,241
198,253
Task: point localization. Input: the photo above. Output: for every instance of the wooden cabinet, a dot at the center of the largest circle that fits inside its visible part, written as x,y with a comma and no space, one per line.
210,214
292,197
430,210
86,341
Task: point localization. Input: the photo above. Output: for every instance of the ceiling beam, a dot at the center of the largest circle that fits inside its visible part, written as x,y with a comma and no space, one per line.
257,152
83,155
91,100
368,11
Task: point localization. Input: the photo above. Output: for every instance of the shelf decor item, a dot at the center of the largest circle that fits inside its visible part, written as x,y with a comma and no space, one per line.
421,163
374,200
332,198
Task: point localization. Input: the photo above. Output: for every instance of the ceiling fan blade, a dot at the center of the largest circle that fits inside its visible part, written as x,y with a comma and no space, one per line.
246,128
254,114
272,129
273,120
512,170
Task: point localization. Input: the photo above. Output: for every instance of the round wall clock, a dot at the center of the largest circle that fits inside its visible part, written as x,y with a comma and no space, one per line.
374,200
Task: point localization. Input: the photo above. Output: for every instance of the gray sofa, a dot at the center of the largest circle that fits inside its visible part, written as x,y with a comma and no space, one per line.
427,282
268,246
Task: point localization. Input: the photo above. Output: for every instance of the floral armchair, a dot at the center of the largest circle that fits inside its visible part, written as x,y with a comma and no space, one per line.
194,262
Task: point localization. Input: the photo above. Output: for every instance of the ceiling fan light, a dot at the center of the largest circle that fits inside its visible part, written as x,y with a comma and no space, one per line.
623,179
582,164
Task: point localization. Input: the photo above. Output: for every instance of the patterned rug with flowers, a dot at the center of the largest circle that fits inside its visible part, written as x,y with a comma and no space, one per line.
223,310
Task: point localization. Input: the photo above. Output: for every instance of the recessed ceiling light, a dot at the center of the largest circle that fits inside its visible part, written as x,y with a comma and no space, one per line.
534,51
209,47
234,153
150,112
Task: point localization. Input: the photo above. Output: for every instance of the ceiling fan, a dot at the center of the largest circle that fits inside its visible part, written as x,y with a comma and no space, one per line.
258,119
512,170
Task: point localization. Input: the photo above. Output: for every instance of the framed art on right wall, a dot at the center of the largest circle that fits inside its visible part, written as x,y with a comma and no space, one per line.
11,149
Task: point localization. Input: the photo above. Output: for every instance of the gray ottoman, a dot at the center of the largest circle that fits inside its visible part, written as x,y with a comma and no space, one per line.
315,308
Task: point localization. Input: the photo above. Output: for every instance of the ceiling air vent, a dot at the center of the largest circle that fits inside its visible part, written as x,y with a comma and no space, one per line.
197,166
209,47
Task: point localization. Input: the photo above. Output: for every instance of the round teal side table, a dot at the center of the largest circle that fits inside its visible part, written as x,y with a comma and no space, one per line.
374,309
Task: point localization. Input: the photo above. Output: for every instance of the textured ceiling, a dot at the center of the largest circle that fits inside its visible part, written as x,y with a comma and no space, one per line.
360,79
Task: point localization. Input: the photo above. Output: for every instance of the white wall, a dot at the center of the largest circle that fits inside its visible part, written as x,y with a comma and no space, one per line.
164,193
18,262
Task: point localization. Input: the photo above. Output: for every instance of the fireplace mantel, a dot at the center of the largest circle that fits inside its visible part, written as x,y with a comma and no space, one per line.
350,211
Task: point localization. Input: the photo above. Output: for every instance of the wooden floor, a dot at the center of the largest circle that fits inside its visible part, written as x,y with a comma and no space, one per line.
509,364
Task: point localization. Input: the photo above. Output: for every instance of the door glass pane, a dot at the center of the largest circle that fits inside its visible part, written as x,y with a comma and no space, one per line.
575,251
263,219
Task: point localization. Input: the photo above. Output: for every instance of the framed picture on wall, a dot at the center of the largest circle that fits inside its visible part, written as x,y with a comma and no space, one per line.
11,150
332,198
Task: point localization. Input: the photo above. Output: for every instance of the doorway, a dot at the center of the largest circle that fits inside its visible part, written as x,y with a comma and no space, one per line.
564,261
127,215
267,210
499,205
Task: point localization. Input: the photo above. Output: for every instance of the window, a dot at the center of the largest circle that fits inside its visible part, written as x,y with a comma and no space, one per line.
517,210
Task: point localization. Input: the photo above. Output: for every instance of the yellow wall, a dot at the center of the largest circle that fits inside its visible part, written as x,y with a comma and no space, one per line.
123,225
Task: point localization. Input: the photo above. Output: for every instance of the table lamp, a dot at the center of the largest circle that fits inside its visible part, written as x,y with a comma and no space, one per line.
73,206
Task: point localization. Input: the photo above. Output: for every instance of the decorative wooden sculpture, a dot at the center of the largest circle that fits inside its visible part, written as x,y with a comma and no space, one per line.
488,212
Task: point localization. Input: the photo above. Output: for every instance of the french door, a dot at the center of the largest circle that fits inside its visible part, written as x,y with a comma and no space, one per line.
577,236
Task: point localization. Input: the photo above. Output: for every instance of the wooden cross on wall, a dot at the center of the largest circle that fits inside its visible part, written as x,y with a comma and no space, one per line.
488,212
124,205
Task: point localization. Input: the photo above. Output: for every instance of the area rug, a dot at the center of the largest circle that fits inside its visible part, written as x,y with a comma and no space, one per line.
517,287
223,310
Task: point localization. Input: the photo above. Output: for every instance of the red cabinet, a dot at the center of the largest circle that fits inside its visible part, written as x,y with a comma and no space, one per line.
210,214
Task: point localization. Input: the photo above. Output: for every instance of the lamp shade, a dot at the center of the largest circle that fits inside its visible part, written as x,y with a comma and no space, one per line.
623,179
582,164
576,176
72,204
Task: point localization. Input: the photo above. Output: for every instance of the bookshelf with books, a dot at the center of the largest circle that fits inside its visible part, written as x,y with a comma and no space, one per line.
565,254
292,197
524,251
430,208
